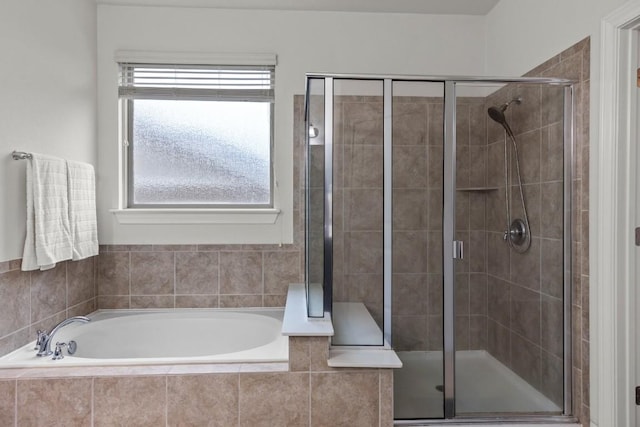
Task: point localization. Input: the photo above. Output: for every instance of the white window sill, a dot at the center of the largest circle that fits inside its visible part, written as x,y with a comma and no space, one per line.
196,216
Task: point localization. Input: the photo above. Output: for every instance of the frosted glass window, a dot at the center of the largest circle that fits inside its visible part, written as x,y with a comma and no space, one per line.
199,153
198,135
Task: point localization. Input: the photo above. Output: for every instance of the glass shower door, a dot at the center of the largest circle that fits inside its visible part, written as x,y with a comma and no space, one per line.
509,287
357,201
442,216
417,322
315,197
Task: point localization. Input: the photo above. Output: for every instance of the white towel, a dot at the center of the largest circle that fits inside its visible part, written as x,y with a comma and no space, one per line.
48,239
82,209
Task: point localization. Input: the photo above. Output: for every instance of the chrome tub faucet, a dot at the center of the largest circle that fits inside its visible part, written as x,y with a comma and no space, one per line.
43,342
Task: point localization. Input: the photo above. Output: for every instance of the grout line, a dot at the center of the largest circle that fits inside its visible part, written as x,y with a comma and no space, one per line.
239,397
309,394
27,327
219,276
15,403
30,280
379,399
129,263
93,394
66,288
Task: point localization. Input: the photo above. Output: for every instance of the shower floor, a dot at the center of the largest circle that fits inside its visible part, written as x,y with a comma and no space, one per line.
483,386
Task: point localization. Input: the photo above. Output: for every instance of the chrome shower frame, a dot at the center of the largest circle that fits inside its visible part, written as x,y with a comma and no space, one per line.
449,209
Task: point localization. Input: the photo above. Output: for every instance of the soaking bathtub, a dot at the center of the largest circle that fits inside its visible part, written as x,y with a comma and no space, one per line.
164,337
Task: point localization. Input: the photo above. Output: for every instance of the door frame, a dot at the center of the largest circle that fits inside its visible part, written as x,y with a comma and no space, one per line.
612,203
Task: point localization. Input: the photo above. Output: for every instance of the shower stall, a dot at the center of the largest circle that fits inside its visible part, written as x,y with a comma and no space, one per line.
438,223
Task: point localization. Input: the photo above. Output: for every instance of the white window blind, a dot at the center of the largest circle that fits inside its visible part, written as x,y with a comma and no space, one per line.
197,82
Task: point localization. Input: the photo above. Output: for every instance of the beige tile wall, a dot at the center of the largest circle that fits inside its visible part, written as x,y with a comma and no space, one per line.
358,202
470,223
197,276
525,291
342,397
574,63
40,299
417,212
308,394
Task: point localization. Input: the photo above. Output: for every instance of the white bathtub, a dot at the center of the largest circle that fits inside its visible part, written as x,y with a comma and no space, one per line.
172,336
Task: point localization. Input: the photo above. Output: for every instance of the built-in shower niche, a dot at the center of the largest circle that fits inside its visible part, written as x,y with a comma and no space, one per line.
409,168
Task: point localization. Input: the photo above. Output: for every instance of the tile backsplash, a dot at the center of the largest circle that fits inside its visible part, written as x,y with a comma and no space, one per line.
40,299
196,276
144,276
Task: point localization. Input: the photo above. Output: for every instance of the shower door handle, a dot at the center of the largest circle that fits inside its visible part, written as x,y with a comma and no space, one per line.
458,249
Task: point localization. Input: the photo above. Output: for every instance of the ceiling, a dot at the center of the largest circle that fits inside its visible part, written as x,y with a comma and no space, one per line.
439,7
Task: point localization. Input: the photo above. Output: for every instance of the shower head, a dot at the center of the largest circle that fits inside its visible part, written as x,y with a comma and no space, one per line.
497,114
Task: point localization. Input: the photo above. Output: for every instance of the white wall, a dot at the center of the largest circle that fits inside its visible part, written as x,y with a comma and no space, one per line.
304,42
521,34
48,96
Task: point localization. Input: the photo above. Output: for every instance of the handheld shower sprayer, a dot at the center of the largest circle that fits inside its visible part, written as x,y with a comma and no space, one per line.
518,233
497,114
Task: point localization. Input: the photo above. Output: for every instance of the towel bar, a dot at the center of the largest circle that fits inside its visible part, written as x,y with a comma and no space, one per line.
20,155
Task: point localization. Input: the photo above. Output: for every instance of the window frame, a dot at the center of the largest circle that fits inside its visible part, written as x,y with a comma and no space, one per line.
266,212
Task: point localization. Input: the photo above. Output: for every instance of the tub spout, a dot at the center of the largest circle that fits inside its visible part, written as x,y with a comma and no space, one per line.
43,345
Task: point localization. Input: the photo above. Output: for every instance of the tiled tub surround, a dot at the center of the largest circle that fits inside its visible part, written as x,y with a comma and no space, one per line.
202,276
305,393
40,299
